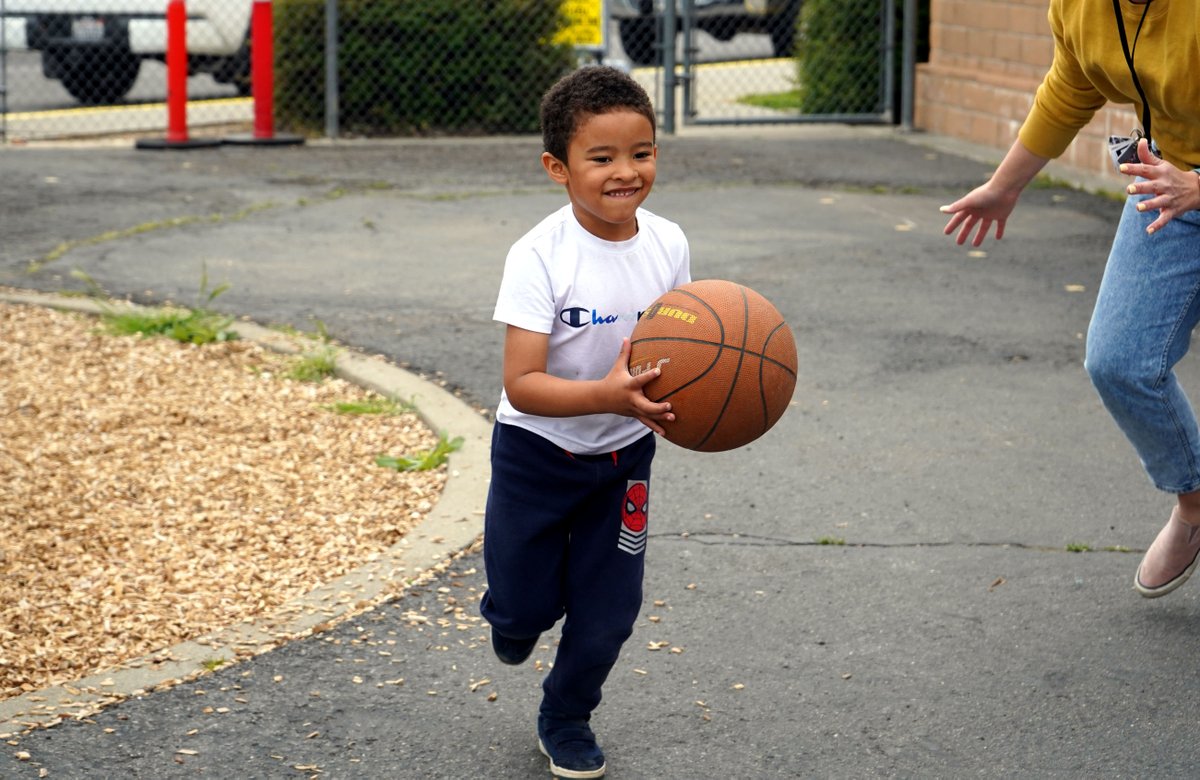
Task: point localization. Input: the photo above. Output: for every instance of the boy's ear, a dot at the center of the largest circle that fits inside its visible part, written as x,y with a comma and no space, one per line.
556,169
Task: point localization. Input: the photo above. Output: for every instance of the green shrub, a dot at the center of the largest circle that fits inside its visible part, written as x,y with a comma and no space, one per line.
839,54
412,67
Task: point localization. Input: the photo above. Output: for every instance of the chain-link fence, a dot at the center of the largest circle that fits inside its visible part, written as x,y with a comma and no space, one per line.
404,67
107,56
752,61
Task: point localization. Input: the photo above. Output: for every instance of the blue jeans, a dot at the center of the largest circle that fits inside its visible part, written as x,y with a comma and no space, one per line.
1148,304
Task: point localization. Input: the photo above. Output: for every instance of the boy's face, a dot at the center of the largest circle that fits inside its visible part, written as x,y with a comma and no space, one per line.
610,167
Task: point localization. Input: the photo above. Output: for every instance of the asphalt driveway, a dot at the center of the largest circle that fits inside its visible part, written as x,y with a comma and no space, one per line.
924,570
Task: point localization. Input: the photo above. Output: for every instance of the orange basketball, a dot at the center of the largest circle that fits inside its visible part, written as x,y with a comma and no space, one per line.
728,363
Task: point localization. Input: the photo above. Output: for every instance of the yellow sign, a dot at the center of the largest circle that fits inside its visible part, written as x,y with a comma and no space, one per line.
585,23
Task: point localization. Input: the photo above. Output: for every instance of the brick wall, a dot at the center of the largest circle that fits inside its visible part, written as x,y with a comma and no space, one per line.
986,59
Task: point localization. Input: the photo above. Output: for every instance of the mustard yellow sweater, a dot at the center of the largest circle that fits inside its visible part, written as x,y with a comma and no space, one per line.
1089,68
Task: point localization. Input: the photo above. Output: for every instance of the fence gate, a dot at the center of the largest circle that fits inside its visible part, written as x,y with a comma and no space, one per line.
738,61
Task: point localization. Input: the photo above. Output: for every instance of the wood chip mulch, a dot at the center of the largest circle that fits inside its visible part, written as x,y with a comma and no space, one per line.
152,492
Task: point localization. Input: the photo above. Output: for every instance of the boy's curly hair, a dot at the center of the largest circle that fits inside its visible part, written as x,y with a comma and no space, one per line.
591,90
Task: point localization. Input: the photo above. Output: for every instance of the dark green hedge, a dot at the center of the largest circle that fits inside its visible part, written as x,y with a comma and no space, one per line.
412,67
838,50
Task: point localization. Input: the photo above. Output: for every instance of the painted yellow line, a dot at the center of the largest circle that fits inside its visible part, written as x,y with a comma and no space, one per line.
739,63
719,65
140,107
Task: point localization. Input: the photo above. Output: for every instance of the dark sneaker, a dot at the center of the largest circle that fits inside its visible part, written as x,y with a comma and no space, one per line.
571,747
512,651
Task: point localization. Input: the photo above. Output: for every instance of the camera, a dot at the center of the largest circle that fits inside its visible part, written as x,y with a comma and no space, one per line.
1123,149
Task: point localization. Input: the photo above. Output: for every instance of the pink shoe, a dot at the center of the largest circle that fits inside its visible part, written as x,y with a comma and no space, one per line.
1170,560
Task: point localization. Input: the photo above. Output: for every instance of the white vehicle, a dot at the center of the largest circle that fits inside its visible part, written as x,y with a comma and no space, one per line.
96,47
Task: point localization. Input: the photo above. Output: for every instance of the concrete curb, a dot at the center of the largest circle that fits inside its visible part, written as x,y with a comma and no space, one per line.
453,525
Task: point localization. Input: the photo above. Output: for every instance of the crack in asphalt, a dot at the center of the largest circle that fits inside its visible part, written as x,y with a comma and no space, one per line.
714,538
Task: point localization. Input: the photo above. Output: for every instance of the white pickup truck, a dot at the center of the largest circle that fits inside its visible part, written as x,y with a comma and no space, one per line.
96,47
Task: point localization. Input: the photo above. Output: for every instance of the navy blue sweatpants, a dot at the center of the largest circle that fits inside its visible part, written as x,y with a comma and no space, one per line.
566,535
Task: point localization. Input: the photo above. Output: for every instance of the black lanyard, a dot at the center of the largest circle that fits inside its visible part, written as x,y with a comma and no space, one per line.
1129,61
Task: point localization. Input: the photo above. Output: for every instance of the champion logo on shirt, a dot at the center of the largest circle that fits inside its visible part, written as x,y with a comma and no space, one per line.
582,317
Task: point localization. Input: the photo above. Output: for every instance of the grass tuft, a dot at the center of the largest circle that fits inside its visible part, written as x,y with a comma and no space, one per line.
198,325
374,405
424,460
314,366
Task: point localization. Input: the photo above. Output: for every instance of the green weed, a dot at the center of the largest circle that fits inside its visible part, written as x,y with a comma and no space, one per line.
198,325
315,365
425,460
831,540
1045,181
1077,547
374,405
320,334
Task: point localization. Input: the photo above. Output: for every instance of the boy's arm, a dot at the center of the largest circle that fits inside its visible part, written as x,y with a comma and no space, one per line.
533,391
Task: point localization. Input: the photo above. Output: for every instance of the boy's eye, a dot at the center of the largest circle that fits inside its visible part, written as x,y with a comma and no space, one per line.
641,155
601,159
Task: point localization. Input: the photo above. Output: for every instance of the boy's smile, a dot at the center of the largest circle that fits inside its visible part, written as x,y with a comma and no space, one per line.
610,168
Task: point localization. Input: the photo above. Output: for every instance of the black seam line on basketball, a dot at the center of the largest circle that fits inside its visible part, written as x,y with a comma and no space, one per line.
706,343
752,540
737,372
762,395
721,347
720,325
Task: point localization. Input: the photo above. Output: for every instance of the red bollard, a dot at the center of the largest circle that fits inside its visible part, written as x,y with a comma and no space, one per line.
262,80
177,74
177,71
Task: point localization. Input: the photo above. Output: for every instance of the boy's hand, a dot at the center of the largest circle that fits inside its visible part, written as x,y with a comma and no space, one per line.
624,395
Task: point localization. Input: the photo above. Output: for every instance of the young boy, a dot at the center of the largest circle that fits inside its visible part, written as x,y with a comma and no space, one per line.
565,525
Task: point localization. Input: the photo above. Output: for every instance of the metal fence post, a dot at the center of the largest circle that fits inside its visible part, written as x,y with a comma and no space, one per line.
689,52
668,61
3,75
332,99
889,59
909,67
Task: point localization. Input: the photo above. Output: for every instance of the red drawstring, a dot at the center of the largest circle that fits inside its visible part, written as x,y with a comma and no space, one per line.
571,455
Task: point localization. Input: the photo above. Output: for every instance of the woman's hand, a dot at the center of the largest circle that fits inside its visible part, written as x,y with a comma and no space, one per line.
992,202
982,206
1172,191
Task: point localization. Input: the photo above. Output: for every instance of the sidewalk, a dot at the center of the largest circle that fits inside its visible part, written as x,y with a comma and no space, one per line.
880,586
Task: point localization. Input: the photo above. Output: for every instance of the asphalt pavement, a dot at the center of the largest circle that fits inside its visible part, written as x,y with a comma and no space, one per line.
924,570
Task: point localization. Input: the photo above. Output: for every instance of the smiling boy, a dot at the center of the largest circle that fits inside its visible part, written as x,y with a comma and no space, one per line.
566,517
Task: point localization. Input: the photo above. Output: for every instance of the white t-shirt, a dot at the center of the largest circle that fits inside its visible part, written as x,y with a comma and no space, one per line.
587,294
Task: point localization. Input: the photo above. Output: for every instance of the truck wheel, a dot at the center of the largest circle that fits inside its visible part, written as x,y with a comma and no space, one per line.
638,38
783,32
720,28
235,70
95,76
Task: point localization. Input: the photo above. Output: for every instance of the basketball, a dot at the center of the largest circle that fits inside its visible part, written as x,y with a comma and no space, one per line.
728,363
